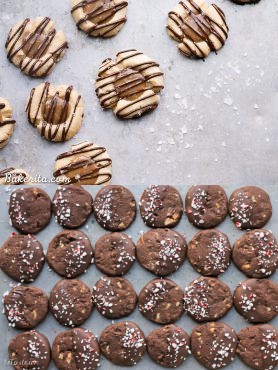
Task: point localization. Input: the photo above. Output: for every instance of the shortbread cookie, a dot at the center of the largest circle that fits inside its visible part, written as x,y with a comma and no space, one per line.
13,176
56,111
6,122
198,28
86,164
103,18
129,85
35,46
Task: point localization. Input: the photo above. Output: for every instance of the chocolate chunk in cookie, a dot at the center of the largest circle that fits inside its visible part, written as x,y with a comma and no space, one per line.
250,207
161,206
114,207
207,299
168,346
256,300
29,350
209,252
206,206
70,253
123,343
257,346
114,254
25,307
161,251
70,302
161,301
214,344
22,257
72,206
256,253
76,349
114,297
29,210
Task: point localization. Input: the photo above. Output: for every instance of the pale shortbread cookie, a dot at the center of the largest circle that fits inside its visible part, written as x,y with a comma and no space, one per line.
103,18
86,164
35,46
6,122
56,111
129,85
198,27
13,176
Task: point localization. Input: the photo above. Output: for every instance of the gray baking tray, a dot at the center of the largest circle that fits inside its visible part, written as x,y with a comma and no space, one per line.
138,276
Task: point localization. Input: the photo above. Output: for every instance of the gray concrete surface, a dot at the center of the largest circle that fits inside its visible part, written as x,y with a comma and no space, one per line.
217,121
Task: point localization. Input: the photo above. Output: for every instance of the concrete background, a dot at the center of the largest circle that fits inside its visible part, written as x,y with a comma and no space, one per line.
217,121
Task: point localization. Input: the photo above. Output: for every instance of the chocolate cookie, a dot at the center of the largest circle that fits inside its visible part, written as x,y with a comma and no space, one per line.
168,346
70,302
123,343
25,307
114,254
72,206
256,300
206,206
114,297
214,344
257,346
161,301
256,253
161,206
22,257
250,207
209,252
207,299
76,349
161,251
29,210
114,207
29,350
70,253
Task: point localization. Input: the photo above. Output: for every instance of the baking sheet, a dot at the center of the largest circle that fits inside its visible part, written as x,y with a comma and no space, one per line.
138,276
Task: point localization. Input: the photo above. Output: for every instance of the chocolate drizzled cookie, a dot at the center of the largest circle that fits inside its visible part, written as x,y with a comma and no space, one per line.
13,176
6,122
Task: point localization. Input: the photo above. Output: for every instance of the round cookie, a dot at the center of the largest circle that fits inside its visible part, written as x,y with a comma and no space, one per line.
103,18
70,253
257,346
70,302
198,28
161,251
206,206
168,346
6,122
114,207
13,176
209,252
72,206
130,84
214,344
161,301
34,46
256,253
25,307
161,206
55,111
22,257
114,254
123,343
76,349
85,164
29,210
250,207
30,347
256,300
114,297
207,299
